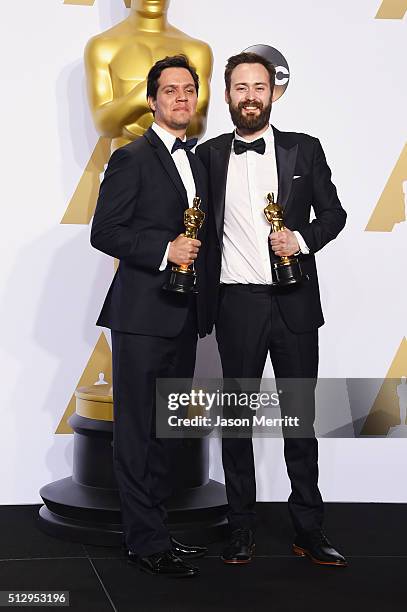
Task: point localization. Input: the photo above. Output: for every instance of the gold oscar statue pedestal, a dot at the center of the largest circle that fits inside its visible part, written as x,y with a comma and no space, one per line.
85,507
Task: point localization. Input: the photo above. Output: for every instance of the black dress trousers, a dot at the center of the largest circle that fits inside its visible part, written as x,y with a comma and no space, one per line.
249,325
142,461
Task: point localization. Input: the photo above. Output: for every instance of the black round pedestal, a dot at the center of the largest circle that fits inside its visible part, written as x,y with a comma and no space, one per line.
86,507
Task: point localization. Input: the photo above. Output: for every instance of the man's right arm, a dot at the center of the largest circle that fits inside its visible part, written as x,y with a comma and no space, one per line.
112,230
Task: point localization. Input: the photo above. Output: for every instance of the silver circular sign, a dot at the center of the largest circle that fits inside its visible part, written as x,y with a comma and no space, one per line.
279,62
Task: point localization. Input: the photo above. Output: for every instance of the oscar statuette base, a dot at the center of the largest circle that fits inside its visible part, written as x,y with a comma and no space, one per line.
77,513
181,281
85,507
284,274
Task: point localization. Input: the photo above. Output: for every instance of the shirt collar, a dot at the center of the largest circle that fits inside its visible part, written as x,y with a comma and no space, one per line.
167,138
268,136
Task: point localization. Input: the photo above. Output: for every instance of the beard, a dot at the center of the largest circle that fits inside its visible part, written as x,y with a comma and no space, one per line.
250,123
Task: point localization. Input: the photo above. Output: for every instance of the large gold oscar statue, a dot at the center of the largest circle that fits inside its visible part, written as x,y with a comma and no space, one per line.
118,60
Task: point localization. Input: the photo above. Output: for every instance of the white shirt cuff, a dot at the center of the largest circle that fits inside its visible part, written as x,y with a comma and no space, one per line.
165,258
301,242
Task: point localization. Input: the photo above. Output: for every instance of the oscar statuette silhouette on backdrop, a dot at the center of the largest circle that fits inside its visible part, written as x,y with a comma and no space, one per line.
86,507
400,431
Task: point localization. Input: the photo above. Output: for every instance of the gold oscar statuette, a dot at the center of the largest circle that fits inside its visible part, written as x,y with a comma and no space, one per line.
284,270
183,278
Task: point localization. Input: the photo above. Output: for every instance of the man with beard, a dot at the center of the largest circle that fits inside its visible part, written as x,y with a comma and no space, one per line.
254,317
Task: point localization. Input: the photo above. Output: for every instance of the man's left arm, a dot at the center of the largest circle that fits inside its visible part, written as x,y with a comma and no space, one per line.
329,220
330,217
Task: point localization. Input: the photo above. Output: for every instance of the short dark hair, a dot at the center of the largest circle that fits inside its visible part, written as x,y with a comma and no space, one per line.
248,58
173,61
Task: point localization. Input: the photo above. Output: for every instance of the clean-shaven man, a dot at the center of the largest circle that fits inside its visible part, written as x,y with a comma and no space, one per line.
147,186
253,317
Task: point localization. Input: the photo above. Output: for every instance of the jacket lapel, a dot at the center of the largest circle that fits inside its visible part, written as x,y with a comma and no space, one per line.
200,187
285,158
219,163
168,163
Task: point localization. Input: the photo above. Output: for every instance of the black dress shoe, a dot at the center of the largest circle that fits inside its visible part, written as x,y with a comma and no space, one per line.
165,563
188,552
316,546
240,548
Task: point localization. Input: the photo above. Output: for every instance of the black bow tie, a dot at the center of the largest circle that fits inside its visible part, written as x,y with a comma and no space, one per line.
240,146
187,145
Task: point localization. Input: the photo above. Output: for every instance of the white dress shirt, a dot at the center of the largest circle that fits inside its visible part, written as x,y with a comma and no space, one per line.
245,253
184,170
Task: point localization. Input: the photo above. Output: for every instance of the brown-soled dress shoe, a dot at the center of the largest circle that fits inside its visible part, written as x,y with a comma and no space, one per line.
240,548
316,546
165,563
187,551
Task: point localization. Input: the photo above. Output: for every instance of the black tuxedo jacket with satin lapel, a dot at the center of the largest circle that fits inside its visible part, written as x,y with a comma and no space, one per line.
140,209
297,155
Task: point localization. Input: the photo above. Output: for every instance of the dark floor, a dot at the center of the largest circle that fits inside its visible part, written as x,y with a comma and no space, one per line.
372,536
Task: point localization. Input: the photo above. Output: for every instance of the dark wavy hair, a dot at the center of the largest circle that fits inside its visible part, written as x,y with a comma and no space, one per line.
173,61
248,58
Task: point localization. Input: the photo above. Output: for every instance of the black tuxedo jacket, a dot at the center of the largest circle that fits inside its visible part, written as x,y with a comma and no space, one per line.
297,155
140,209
